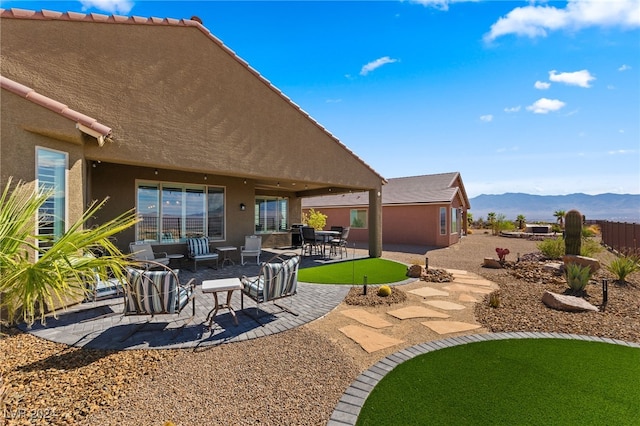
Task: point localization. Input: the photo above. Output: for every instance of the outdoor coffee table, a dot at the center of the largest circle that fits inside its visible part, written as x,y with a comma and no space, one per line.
215,286
225,250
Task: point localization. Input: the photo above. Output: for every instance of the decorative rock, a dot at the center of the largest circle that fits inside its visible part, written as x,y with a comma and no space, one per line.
490,262
592,263
566,303
415,271
553,267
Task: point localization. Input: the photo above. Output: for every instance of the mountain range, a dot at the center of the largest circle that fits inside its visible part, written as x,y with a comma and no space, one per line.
612,207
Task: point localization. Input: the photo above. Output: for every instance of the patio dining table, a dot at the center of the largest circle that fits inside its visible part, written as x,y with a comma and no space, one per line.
326,236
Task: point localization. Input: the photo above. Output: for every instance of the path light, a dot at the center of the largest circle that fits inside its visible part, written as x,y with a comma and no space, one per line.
364,281
605,292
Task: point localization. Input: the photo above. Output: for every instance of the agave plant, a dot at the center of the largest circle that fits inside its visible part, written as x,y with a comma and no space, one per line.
38,272
622,266
577,277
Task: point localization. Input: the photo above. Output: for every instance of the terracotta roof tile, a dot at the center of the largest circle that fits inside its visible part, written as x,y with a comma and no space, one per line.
53,105
137,20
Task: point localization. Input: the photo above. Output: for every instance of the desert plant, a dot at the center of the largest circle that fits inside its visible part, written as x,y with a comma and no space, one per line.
622,266
573,232
521,221
315,219
494,299
551,248
502,254
33,278
384,291
577,277
590,247
559,215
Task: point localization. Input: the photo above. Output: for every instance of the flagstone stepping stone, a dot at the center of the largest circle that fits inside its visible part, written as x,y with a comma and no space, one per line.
366,318
446,327
417,312
368,339
468,288
428,292
443,304
473,281
457,271
467,298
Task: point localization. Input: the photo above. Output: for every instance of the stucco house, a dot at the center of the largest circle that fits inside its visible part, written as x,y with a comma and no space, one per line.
161,117
428,210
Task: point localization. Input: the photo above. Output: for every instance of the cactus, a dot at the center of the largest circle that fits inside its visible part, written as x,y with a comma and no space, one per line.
384,291
573,232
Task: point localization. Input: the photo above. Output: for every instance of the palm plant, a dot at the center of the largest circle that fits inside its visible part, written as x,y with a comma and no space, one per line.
38,271
521,221
559,215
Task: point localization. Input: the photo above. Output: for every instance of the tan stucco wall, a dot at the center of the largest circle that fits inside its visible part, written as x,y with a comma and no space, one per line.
174,99
105,177
20,119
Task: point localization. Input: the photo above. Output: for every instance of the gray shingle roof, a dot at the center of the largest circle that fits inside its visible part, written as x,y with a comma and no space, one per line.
437,188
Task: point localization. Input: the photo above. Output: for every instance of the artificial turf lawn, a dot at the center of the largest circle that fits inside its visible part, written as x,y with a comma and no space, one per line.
511,382
378,271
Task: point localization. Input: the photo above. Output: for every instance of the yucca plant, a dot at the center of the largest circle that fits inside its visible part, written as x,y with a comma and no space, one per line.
622,266
39,271
577,277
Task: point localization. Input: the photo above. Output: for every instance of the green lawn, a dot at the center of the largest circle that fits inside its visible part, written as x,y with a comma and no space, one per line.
511,382
378,271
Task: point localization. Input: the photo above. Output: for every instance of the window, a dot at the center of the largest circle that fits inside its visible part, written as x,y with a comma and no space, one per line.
172,212
271,214
443,220
51,169
454,221
358,219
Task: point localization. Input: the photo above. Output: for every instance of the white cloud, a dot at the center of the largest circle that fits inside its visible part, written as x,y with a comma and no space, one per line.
622,152
542,85
537,20
111,6
439,4
486,118
333,101
512,109
578,78
366,69
544,106
624,67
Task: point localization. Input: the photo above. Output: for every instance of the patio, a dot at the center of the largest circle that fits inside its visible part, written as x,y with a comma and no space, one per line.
101,325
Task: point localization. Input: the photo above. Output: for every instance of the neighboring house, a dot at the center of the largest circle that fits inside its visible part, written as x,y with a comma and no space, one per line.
161,117
426,210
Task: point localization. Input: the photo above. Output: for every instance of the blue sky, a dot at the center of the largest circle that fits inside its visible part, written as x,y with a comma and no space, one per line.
535,97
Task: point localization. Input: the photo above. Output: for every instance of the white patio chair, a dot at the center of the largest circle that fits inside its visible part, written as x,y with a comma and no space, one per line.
251,248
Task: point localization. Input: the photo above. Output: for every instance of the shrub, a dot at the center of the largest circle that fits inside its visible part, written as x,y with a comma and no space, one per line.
494,299
384,291
502,253
621,267
552,248
577,277
590,247
315,219
590,231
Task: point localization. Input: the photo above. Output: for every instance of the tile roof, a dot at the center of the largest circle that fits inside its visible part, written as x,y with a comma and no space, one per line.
55,106
46,15
436,188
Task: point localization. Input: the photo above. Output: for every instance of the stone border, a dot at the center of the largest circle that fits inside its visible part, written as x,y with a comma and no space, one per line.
348,408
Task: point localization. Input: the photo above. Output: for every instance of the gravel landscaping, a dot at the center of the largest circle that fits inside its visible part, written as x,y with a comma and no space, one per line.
294,377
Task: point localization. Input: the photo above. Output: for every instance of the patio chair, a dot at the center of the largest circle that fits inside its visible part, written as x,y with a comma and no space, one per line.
156,292
339,244
198,250
309,241
277,279
251,248
143,252
104,288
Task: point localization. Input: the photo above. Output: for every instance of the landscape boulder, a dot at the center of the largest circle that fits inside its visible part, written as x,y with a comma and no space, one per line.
562,302
592,263
416,271
490,262
553,267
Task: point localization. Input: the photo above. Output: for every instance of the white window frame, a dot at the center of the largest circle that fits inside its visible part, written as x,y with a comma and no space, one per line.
64,196
351,218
